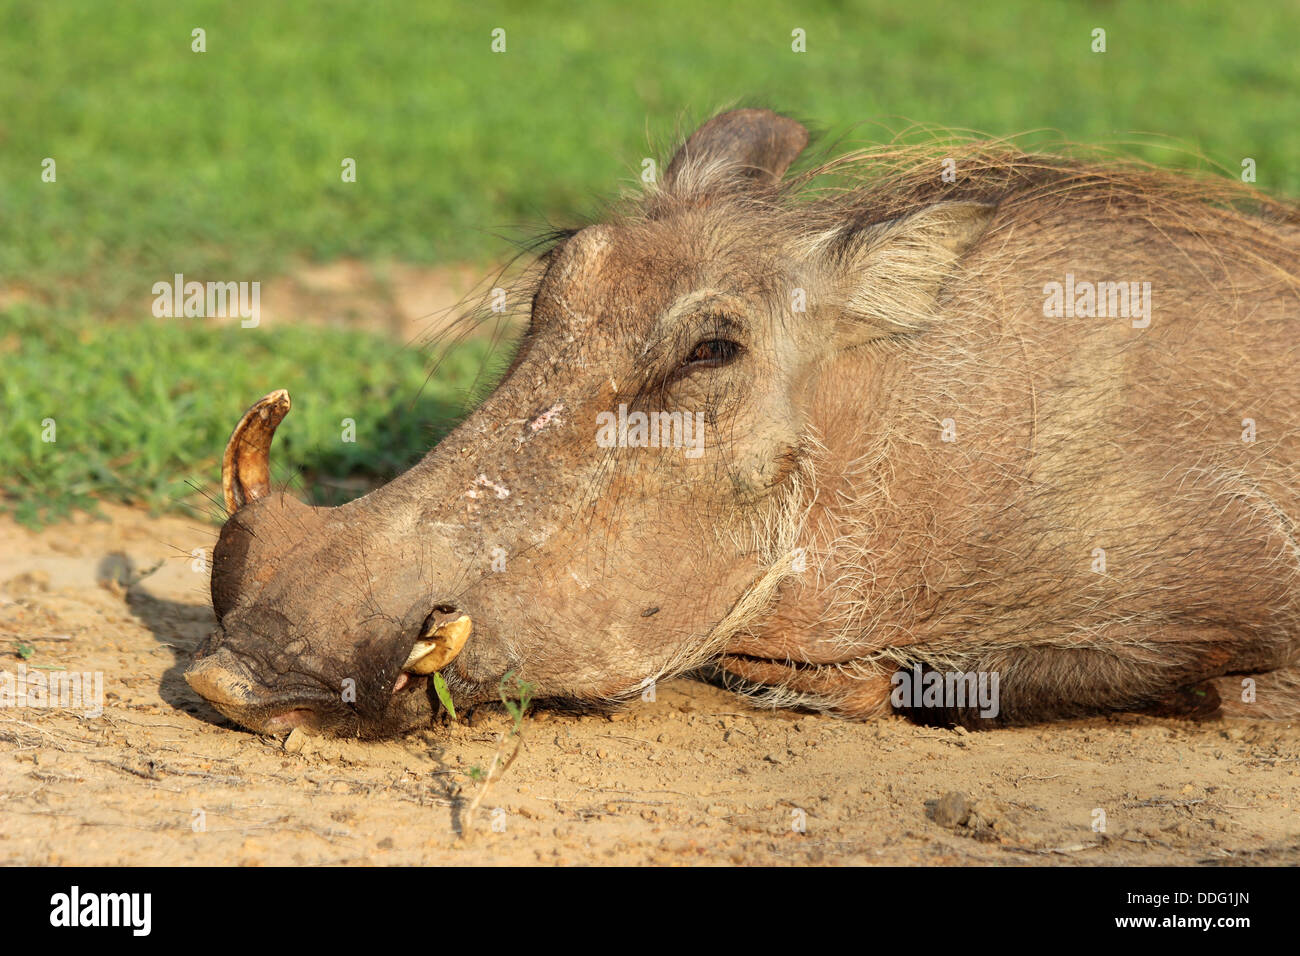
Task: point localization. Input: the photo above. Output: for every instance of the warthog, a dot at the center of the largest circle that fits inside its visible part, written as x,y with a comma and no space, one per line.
962,412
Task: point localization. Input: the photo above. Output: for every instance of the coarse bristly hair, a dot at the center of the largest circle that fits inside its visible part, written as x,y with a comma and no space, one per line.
840,206
835,203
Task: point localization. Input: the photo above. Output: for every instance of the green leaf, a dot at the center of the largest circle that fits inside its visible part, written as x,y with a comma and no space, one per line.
25,651
444,695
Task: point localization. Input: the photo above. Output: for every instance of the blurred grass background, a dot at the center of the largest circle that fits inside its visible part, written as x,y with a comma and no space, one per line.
226,165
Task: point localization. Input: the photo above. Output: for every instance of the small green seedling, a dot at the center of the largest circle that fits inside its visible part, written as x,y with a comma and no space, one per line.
444,695
516,697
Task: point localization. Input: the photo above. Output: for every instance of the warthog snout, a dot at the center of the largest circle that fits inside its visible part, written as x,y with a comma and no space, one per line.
227,684
285,658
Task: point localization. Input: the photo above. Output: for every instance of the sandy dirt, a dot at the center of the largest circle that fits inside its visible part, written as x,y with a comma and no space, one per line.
412,304
694,776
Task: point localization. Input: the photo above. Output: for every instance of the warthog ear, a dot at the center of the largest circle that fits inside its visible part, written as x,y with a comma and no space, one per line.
738,148
885,277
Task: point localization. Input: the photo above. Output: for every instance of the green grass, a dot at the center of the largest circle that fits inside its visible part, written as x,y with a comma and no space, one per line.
141,411
225,165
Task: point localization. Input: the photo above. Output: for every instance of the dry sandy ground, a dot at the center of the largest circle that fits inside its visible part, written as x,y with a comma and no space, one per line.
695,776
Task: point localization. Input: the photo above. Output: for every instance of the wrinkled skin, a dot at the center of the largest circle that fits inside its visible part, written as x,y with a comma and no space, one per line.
591,571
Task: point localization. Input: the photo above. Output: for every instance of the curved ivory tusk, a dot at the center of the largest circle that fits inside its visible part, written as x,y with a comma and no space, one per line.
245,467
436,650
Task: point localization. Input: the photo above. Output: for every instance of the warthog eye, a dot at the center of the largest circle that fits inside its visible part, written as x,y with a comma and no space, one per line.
712,353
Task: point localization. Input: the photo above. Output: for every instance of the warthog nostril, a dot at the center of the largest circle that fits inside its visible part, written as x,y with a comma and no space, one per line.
444,633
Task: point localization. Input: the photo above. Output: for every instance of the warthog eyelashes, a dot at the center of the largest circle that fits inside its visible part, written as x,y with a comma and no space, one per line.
712,353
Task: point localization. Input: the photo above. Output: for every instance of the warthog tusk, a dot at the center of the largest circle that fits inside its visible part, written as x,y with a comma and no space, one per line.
245,468
437,649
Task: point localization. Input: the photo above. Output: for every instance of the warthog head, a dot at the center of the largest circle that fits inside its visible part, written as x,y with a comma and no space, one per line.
810,435
612,512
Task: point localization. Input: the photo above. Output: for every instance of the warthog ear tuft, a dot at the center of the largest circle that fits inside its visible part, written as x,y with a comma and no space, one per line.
737,149
887,276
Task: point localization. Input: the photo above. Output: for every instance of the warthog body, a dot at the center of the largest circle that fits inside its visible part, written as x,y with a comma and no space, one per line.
1038,424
